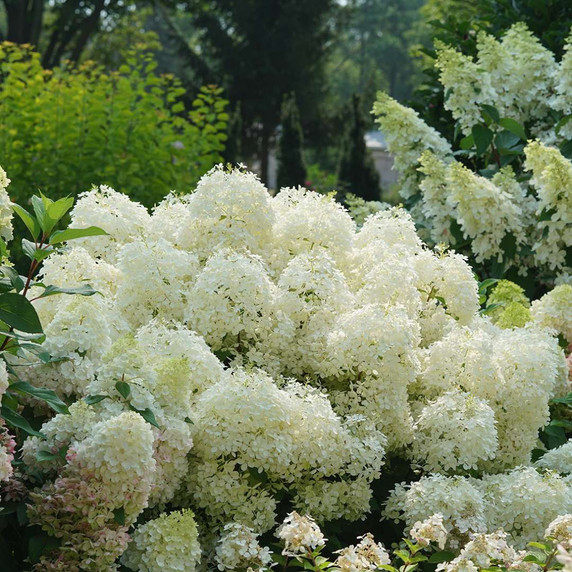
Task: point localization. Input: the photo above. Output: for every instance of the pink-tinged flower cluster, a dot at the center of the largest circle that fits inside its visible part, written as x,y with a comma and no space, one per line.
101,491
7,446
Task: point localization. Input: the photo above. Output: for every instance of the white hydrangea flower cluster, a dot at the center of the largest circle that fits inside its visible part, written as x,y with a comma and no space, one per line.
282,352
430,530
407,137
300,534
287,435
516,75
559,531
554,310
5,208
552,179
521,502
238,549
437,445
497,212
367,555
481,552
168,543
559,459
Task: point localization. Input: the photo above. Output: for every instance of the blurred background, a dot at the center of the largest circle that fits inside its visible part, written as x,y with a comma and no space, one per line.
146,96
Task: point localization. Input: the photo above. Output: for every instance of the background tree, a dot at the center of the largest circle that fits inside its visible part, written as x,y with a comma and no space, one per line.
357,172
291,165
261,49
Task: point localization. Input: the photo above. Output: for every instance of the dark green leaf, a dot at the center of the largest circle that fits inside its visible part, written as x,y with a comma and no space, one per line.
442,556
18,312
490,113
40,545
72,233
123,388
93,399
566,149
483,137
513,126
44,394
505,140
15,279
148,415
16,420
119,516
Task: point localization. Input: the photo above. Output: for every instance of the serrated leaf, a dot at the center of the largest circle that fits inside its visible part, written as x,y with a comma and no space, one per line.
72,233
51,290
44,394
93,399
513,126
17,311
123,388
14,419
31,223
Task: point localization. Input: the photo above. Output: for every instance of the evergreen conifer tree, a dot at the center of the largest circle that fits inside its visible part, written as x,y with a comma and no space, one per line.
291,166
357,173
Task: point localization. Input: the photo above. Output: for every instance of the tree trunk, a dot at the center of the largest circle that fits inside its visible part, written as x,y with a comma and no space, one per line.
264,152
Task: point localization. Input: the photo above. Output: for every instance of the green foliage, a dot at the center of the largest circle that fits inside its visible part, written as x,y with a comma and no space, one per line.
291,166
81,126
357,172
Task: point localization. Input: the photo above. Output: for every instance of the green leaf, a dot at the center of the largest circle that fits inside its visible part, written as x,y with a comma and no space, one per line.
467,143
148,415
490,113
34,253
490,308
540,545
85,290
41,544
72,233
42,456
16,420
513,126
93,399
505,140
566,149
18,312
566,400
442,556
486,284
123,388
30,222
41,214
483,137
44,394
59,208
15,279
119,516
